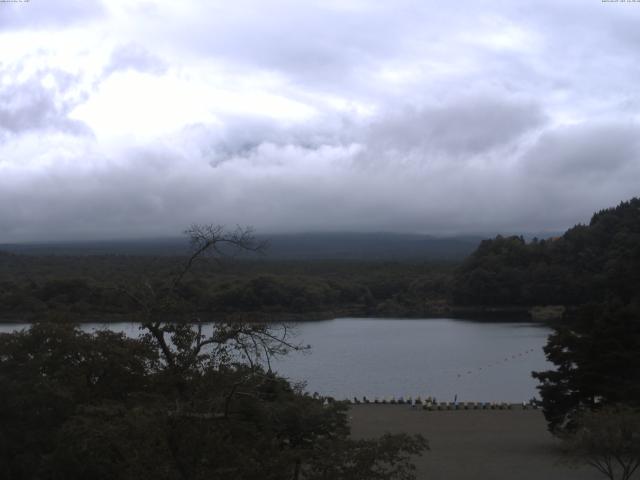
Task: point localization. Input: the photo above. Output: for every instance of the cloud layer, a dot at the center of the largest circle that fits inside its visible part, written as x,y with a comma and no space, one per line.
124,119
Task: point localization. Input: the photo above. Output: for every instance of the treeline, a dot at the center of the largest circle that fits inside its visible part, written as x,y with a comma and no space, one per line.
595,262
99,285
589,263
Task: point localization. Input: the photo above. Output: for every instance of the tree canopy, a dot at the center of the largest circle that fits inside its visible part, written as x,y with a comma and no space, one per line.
178,402
596,346
595,262
596,353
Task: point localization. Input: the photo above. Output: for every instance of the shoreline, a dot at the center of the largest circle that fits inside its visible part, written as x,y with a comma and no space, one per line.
532,314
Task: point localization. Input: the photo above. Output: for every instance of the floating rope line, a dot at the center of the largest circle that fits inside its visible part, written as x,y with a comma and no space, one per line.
506,359
431,403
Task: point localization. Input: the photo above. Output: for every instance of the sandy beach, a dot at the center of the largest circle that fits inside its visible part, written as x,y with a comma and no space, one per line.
474,444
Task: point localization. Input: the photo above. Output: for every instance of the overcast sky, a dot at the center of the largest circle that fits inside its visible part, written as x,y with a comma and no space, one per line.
127,118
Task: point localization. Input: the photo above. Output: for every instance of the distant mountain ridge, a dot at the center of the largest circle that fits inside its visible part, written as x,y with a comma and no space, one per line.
300,246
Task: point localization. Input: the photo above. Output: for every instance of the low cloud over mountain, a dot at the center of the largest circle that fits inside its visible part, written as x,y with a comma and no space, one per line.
125,119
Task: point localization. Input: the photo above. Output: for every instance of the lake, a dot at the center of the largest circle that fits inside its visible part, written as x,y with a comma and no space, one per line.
477,361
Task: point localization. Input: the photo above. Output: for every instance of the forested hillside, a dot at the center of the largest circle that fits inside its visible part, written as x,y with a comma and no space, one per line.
595,262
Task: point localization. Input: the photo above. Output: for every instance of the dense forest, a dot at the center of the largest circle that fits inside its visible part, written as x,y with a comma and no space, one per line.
93,286
595,262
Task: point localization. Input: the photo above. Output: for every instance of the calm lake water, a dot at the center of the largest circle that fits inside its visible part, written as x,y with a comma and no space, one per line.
477,361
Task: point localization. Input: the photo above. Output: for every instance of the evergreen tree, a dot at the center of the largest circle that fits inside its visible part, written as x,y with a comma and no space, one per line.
596,354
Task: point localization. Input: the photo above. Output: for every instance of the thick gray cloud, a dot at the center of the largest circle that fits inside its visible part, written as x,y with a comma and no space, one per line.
597,149
469,126
30,105
467,117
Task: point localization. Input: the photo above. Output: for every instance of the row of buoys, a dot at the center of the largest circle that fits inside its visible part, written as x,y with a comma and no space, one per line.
393,400
430,403
480,406
495,364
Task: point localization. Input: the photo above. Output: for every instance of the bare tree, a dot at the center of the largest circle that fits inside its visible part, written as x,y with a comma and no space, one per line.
608,440
190,345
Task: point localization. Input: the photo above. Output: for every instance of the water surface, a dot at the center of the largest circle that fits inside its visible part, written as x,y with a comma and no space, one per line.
445,358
